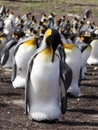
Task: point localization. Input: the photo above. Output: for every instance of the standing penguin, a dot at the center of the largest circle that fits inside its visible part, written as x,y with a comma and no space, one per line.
85,55
7,48
93,58
83,42
43,81
24,50
7,53
74,60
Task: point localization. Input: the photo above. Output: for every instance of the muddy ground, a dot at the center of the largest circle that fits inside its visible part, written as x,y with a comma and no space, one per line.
81,114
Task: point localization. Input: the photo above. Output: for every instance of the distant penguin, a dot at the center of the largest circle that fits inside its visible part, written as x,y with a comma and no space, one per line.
87,13
7,54
93,58
43,81
2,11
85,55
74,60
7,48
23,52
9,25
83,42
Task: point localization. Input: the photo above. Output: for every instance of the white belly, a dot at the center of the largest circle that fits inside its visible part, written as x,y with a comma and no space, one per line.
44,90
74,60
22,57
93,58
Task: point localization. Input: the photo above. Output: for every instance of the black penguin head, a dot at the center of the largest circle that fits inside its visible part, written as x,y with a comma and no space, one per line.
18,33
53,38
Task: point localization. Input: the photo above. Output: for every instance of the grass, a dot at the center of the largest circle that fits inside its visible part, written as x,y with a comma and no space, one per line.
60,7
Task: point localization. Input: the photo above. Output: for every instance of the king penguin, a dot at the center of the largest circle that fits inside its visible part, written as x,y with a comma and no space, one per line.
83,42
7,48
23,51
93,58
42,92
85,55
74,60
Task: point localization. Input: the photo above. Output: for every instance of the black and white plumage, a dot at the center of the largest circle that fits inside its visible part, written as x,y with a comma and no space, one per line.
43,81
23,51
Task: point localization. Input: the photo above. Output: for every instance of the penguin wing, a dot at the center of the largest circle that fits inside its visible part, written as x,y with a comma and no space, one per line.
30,65
82,46
14,70
1,24
24,39
10,44
66,74
14,66
5,51
4,57
27,86
66,78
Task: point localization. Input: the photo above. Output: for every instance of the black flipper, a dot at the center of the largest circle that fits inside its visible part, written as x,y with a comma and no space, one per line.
4,54
30,65
27,87
4,57
66,78
14,70
80,77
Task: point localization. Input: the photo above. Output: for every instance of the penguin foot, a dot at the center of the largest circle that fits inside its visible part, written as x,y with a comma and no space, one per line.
19,83
44,121
39,117
47,121
70,95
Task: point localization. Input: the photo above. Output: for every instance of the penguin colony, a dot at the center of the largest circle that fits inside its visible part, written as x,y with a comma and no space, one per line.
48,58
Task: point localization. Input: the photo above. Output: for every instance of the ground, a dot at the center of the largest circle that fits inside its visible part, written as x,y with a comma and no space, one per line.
81,114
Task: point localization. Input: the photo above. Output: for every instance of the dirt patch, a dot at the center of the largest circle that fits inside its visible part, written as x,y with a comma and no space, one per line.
82,112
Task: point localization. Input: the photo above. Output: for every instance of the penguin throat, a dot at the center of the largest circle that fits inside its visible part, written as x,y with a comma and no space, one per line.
31,42
48,51
47,54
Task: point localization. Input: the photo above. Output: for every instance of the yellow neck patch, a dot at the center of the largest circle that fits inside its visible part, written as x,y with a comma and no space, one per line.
31,42
82,38
48,50
48,32
68,46
46,55
2,38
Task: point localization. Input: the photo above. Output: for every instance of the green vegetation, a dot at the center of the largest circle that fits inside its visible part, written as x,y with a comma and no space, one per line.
60,7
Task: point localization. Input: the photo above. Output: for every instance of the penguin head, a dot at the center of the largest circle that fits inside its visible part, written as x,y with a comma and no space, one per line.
52,38
3,38
86,38
18,33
